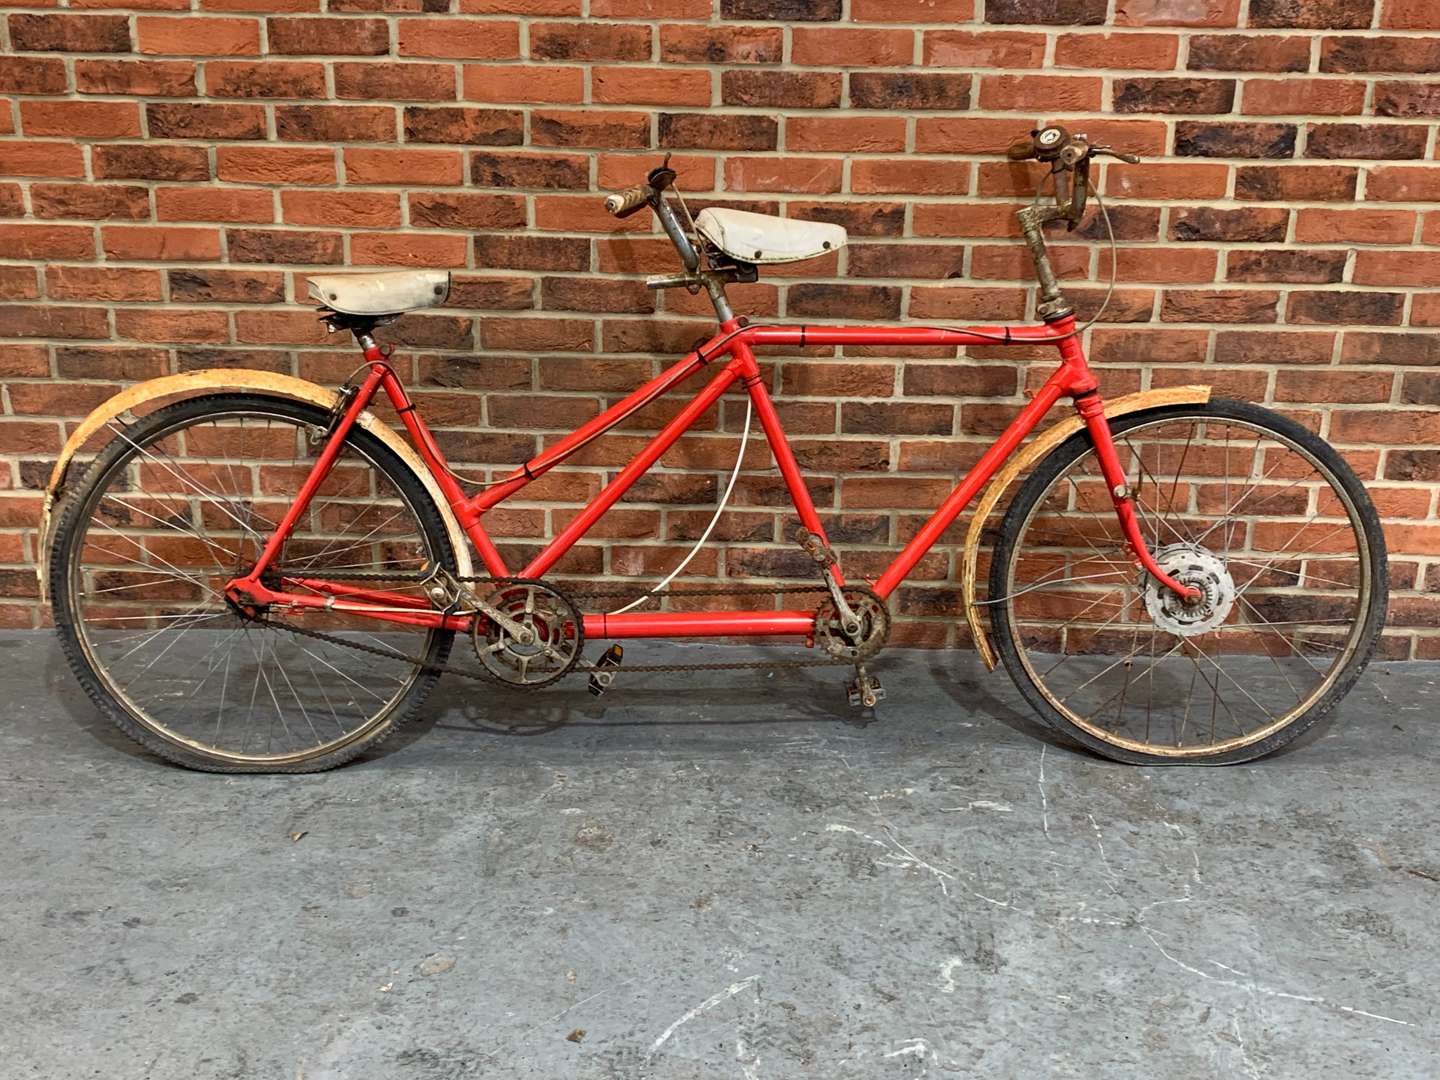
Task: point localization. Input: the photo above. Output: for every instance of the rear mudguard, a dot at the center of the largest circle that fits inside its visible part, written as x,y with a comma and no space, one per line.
1050,438
220,380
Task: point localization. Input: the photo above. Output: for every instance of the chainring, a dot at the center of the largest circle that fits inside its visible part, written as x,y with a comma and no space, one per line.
550,638
874,625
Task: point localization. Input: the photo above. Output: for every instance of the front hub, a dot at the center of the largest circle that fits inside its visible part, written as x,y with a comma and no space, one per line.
1200,569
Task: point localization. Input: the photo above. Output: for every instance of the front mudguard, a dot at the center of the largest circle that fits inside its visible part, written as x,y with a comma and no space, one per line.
1050,438
219,380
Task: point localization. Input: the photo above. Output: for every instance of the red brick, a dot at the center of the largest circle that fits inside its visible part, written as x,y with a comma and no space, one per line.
589,41
1134,52
160,243
150,161
912,11
523,83
328,36
1167,181
1177,12
143,78
1249,52
650,9
46,242
1362,226
53,321
197,35
285,247
1409,15
1414,268
545,171
721,44
900,91
851,134
1314,14
90,201
41,159
651,86
387,166
102,119
240,205
825,46
344,209
177,325
781,89
1354,54
395,82
35,75
495,127
1400,183
1308,183
1338,308
265,79
752,172
285,165
97,283
1303,97
407,249
1173,95
909,175
982,49
464,39
70,33
1366,141
335,123
465,210
1056,93
177,120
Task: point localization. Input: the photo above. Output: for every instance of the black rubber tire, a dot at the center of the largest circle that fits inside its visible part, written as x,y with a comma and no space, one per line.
74,510
1067,453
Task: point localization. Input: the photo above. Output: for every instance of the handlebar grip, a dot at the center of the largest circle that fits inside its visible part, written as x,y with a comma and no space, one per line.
624,203
1022,149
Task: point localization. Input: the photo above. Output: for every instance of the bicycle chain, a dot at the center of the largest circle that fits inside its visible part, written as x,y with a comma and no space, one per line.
583,665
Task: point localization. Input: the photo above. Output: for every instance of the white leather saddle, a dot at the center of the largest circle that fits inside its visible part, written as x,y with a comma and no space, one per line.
762,238
387,293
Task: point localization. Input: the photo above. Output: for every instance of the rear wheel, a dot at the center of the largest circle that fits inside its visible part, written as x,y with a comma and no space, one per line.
181,502
1261,515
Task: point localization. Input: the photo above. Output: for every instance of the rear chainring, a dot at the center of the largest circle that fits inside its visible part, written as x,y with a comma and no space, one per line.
874,625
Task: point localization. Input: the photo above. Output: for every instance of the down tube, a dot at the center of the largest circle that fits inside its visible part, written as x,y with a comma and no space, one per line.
957,500
632,472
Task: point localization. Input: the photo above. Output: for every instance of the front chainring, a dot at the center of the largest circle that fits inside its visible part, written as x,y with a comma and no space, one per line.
545,644
874,625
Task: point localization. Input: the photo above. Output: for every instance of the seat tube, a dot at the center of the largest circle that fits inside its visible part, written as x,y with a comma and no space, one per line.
775,436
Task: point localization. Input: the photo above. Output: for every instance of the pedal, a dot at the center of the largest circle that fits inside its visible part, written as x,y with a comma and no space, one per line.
865,691
602,676
814,546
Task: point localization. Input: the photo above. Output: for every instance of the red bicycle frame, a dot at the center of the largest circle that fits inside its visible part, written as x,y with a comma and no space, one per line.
736,341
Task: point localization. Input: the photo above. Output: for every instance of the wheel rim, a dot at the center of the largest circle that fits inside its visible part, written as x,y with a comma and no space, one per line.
1231,503
186,508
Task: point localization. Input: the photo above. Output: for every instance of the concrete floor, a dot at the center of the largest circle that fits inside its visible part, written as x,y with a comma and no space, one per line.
729,881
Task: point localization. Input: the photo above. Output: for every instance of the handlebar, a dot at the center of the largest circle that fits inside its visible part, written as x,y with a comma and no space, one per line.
1054,144
624,203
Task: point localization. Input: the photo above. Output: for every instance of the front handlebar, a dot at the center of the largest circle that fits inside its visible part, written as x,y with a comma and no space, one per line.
1063,150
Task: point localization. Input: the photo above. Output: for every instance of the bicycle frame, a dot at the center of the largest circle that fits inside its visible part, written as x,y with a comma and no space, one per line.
736,341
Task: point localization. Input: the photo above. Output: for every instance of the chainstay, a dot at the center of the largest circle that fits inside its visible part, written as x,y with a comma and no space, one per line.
582,664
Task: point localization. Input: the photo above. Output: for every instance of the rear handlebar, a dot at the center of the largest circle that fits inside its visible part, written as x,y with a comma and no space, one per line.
624,203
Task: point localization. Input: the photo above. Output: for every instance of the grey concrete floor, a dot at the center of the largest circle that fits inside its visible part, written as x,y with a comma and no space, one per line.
728,879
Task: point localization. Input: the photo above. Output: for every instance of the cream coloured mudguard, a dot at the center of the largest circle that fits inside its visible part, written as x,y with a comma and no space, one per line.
212,380
1050,438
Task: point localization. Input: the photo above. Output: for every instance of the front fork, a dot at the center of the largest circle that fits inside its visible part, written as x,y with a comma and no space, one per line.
1092,411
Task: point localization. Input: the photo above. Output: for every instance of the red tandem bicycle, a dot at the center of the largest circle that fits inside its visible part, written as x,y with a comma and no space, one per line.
264,576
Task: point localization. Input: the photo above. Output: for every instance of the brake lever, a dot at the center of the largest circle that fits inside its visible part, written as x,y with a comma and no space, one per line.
1105,151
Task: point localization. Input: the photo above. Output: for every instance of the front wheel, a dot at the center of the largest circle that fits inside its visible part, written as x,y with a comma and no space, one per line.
1262,516
181,502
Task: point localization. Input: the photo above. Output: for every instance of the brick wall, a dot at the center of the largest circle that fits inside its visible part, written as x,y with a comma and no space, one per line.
171,169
